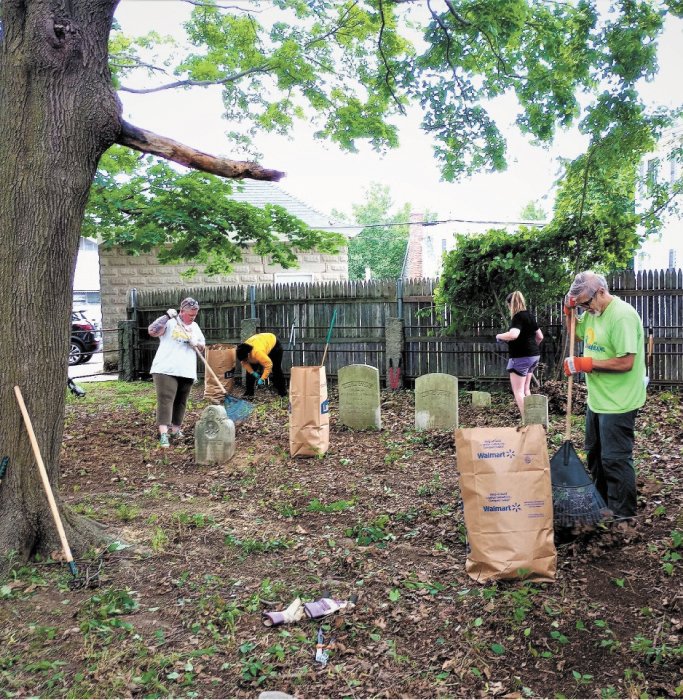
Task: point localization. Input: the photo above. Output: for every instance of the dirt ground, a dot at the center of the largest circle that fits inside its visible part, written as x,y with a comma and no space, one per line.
174,609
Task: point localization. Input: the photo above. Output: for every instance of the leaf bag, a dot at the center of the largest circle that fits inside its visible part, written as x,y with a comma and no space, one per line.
222,360
507,502
309,417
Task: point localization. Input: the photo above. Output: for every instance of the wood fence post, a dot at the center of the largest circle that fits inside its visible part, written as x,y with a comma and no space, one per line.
248,327
126,351
393,338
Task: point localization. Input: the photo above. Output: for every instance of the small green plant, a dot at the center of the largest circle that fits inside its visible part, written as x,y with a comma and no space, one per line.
254,546
126,512
582,678
372,533
317,506
431,488
286,510
159,539
671,558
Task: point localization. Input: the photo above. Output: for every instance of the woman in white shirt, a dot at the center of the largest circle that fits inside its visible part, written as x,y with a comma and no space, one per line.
174,368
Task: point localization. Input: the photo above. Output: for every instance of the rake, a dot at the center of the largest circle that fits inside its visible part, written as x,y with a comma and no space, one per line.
576,500
238,410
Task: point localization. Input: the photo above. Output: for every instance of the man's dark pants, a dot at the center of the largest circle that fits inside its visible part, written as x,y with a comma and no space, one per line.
278,377
609,447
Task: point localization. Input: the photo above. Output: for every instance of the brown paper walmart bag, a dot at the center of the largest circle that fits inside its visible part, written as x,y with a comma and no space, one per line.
507,500
309,418
222,360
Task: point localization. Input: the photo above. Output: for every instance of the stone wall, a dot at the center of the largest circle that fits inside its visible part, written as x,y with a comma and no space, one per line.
119,273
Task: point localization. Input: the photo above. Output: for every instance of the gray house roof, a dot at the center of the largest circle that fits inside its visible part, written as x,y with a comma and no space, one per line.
259,193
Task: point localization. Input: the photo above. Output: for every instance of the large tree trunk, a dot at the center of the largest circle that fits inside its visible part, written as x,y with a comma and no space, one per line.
58,114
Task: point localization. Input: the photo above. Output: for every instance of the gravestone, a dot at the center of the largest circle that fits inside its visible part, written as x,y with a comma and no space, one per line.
214,437
359,397
481,399
536,410
436,402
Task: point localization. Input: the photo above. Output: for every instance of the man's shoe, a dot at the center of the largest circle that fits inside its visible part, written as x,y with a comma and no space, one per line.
164,441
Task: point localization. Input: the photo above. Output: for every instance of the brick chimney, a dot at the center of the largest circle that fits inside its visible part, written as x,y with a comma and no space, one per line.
413,263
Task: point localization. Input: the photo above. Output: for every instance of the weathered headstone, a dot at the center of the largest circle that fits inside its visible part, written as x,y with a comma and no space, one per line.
359,397
481,399
214,437
436,402
536,410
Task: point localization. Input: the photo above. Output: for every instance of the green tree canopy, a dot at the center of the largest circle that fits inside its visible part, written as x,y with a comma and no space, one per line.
349,69
381,245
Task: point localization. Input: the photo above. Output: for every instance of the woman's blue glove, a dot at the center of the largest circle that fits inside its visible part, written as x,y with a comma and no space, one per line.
256,375
260,382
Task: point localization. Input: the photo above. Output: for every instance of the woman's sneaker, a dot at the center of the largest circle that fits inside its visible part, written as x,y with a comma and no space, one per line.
164,441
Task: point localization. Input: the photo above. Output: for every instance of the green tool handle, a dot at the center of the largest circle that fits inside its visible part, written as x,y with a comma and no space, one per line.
329,335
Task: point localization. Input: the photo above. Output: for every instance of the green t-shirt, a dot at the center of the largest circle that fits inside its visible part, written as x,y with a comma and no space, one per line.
618,331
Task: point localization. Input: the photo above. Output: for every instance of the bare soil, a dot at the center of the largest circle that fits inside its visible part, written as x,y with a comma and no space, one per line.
177,612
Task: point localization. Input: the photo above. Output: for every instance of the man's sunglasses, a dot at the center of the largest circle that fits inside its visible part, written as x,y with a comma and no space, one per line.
587,304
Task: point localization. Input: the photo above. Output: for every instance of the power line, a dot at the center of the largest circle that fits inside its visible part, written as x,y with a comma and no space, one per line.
539,224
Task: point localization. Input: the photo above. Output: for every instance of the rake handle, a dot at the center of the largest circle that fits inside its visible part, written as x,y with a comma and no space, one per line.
570,383
46,482
202,358
329,335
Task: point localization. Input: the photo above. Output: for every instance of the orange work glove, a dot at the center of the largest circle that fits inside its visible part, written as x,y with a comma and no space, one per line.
569,304
574,365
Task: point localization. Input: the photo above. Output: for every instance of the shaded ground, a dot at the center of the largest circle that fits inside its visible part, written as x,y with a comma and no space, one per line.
178,613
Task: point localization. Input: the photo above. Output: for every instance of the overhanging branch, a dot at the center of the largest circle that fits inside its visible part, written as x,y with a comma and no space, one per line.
149,142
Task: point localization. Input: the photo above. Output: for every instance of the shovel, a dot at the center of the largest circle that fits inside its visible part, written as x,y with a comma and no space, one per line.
46,483
576,500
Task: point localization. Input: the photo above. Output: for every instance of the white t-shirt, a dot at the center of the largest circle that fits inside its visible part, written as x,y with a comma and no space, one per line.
175,355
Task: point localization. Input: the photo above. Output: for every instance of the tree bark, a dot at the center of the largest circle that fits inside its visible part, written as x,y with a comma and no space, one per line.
58,114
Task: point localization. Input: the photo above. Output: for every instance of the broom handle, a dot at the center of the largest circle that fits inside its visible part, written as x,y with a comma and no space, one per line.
570,383
46,482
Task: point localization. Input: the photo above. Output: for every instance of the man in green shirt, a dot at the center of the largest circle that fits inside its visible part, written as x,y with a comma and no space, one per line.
614,363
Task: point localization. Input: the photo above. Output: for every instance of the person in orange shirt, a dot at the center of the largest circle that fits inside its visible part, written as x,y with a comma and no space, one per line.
260,356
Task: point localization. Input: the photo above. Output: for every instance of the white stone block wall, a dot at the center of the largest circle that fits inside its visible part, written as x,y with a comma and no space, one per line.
119,273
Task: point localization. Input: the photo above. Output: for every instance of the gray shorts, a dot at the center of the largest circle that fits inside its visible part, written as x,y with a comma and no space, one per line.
523,365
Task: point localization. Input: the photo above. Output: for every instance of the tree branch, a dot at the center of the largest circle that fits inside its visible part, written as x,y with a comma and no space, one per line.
149,142
195,83
389,75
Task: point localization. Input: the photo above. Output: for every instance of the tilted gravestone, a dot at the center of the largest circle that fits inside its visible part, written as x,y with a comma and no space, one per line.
536,410
359,397
214,437
436,402
481,399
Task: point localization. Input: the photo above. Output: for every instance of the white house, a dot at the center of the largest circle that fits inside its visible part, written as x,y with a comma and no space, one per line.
664,250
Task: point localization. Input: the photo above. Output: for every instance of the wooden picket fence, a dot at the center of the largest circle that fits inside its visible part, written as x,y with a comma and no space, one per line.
300,315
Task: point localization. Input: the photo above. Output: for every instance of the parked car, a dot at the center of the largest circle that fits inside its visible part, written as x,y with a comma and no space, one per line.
85,338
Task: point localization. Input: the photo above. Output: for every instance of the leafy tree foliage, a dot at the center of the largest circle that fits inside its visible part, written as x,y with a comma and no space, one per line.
381,245
189,216
533,211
